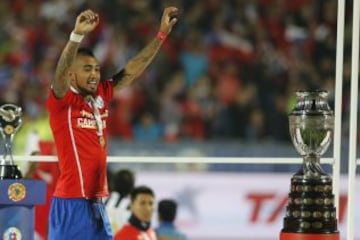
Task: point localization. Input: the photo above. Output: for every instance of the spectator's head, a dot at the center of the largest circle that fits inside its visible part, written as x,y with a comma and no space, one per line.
123,182
142,203
167,210
84,73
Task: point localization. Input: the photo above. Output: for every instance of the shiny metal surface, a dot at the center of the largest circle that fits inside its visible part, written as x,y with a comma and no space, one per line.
311,125
10,122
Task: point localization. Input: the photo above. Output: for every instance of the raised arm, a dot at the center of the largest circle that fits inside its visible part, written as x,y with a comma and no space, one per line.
85,23
136,66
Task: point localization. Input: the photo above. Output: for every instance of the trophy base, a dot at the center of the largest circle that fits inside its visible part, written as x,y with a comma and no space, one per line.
9,172
310,210
309,236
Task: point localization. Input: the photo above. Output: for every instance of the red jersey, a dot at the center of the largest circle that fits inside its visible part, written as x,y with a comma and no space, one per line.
130,232
82,159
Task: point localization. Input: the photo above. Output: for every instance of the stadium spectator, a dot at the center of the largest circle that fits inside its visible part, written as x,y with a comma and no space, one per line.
270,44
167,230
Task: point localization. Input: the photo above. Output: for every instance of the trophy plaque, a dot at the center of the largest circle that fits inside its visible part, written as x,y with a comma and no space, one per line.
310,213
10,122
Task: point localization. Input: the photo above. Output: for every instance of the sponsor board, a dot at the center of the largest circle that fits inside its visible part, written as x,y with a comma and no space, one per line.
231,205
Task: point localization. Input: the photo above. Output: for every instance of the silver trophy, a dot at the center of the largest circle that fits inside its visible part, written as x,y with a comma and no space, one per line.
310,207
311,126
10,122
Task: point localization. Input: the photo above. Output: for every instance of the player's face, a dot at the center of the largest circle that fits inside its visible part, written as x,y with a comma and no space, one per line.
143,207
85,75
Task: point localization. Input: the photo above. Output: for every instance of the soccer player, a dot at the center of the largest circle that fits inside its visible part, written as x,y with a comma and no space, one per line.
142,209
78,108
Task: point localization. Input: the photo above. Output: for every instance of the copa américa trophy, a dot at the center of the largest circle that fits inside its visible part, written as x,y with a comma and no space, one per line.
310,213
10,122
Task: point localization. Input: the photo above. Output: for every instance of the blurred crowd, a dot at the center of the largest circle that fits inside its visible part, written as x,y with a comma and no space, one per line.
228,70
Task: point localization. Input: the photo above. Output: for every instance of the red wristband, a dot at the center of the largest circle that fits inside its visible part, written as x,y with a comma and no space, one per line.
161,36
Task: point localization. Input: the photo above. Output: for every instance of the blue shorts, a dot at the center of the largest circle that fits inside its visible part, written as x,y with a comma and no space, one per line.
78,218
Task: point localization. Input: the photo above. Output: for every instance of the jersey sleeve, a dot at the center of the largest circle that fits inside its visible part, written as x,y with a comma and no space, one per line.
54,104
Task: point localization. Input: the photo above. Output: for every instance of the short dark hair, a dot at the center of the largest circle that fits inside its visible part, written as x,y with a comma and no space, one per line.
83,51
167,210
141,190
123,182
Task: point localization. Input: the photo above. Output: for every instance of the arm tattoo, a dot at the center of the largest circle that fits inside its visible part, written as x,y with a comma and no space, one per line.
60,83
138,64
148,53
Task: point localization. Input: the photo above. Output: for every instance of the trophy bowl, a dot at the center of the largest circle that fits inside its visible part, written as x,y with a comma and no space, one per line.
311,126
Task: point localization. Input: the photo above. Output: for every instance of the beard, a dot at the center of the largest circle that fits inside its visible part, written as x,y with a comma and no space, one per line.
84,91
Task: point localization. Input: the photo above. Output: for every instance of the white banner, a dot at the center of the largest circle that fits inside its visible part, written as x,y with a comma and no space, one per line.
224,206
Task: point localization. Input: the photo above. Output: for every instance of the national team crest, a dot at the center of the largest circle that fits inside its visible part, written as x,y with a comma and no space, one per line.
99,102
17,192
12,233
